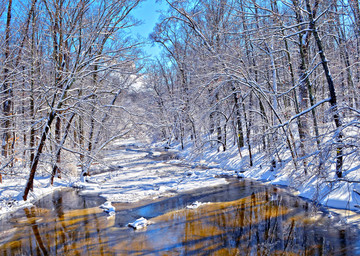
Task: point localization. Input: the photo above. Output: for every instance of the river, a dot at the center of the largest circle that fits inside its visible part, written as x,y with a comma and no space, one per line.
240,218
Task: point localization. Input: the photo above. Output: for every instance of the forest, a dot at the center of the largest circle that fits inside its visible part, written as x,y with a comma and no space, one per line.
279,78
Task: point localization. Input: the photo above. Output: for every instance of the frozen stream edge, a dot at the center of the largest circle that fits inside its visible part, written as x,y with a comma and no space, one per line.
134,172
138,174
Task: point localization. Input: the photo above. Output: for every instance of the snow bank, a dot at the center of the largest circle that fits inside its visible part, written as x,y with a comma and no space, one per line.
11,192
326,189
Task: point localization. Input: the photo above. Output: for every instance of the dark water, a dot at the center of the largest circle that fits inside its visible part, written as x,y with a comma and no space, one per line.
244,218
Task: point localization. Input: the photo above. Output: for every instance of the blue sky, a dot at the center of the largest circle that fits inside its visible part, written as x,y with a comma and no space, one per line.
148,13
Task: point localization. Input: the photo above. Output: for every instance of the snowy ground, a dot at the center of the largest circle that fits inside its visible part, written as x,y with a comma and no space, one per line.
340,196
11,191
138,173
134,172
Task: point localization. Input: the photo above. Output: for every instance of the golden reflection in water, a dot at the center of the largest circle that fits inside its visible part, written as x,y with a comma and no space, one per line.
254,225
76,232
218,229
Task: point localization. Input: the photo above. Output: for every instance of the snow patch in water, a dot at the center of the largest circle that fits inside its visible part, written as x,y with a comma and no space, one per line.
139,223
195,205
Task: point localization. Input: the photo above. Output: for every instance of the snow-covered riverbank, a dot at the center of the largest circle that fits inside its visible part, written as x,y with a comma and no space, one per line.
132,172
324,189
135,171
138,173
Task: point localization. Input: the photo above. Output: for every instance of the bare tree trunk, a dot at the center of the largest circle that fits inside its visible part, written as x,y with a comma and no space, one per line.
218,123
239,130
303,100
248,130
59,57
58,142
81,137
58,150
32,129
35,162
356,11
93,110
7,86
330,82
344,54
305,87
294,94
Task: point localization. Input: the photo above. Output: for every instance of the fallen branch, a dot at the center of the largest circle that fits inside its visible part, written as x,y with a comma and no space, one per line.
349,181
303,113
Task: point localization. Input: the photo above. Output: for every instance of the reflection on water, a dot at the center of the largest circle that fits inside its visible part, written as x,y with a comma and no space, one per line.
245,218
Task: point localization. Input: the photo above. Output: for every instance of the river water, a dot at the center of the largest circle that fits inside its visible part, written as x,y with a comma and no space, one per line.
242,218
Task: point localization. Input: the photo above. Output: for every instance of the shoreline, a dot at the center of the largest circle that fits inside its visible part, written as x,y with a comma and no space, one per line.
168,176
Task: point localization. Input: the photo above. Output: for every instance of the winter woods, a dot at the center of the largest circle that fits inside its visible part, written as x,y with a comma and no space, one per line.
280,78
274,77
63,67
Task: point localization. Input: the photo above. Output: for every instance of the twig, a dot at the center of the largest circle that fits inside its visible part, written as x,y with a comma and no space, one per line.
4,166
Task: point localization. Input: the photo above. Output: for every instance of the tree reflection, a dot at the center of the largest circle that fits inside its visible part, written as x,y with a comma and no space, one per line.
58,232
30,214
263,221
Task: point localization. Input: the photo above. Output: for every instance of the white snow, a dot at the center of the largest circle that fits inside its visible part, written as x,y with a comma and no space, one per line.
142,176
195,205
11,192
139,223
108,207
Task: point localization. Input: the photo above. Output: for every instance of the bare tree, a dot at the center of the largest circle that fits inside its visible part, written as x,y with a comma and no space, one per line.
77,57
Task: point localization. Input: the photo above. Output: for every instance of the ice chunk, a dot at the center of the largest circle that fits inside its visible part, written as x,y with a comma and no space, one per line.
274,197
139,223
111,214
241,175
195,205
108,207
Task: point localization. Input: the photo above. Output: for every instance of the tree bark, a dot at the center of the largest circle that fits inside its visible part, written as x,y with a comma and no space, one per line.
248,130
239,129
7,86
58,150
331,88
35,162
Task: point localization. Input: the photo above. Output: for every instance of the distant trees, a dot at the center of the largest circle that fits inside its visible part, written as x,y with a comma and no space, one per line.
268,68
63,67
